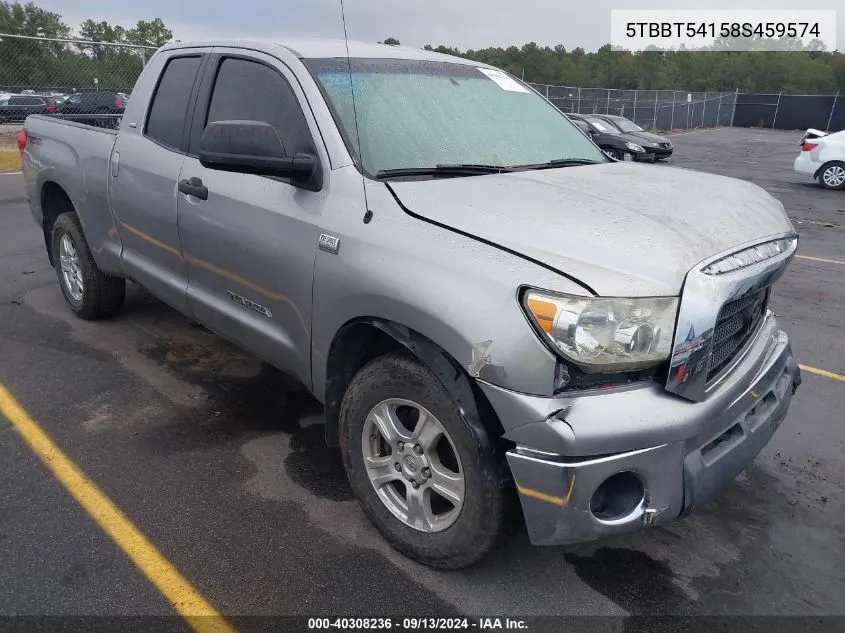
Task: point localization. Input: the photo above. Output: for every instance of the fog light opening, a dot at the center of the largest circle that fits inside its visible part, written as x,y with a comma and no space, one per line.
617,497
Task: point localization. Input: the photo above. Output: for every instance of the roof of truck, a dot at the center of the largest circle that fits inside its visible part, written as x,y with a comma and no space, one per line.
326,47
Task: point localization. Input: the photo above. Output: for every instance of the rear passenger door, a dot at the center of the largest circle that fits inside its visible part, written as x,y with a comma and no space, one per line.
145,165
250,245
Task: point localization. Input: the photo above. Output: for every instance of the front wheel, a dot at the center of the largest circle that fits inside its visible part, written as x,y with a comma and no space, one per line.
423,474
832,176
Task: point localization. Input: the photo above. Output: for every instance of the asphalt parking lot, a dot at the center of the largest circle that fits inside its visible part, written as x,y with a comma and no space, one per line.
219,461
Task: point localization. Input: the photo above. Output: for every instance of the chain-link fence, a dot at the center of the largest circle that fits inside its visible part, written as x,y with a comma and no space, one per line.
652,109
676,109
89,82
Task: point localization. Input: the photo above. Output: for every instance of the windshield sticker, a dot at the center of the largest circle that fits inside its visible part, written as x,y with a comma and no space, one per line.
502,80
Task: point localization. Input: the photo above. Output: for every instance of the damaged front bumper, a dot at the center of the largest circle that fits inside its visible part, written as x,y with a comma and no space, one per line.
662,455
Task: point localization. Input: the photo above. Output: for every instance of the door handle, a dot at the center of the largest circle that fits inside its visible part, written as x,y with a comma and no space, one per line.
193,187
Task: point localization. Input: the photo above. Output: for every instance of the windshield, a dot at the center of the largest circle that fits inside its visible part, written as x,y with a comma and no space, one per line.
420,114
627,126
601,125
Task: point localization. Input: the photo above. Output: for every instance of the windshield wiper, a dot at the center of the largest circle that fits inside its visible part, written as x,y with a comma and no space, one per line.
559,162
466,169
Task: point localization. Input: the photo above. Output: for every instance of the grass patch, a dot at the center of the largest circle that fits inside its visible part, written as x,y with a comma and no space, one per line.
10,160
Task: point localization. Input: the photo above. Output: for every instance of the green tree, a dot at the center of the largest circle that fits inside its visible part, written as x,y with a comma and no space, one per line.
64,66
392,41
28,19
794,68
153,33
101,32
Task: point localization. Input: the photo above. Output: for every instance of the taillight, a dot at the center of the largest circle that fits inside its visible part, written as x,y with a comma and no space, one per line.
51,108
22,139
118,103
807,147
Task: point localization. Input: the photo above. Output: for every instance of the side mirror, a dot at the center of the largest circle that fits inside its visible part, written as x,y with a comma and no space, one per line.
254,147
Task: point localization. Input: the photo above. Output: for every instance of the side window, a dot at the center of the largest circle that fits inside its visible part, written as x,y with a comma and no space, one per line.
75,99
584,127
166,119
250,91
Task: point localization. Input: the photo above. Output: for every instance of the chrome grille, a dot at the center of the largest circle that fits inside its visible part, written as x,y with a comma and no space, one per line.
735,325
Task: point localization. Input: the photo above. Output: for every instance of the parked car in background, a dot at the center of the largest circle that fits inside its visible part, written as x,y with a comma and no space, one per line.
101,108
612,142
102,102
822,158
655,144
16,108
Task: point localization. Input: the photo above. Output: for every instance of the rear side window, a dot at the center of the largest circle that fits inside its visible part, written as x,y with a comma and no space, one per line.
169,108
250,91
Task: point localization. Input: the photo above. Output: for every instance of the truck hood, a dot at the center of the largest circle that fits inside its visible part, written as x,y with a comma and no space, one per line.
623,229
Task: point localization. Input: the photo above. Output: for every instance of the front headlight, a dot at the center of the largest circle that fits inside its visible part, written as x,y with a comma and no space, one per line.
634,147
605,334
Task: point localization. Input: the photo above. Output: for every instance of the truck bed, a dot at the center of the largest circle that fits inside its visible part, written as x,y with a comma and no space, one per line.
76,157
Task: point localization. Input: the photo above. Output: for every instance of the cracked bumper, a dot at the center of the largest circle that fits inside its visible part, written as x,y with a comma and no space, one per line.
681,452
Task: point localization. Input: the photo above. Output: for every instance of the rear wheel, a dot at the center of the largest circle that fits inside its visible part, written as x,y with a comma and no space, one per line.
832,175
89,292
423,475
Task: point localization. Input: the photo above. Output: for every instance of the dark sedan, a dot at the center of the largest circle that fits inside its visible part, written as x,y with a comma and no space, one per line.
16,108
101,109
612,142
658,145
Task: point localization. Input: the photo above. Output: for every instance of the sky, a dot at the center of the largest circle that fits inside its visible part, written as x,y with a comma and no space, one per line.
460,23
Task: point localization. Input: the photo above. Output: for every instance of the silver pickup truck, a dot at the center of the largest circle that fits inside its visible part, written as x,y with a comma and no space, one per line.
488,307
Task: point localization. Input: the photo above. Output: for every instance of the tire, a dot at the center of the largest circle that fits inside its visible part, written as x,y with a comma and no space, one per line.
477,524
832,176
101,295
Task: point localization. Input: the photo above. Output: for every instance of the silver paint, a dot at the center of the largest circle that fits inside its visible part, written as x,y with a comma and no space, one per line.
449,266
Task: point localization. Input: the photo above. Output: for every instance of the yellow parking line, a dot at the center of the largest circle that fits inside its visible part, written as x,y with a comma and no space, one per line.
822,372
187,601
820,259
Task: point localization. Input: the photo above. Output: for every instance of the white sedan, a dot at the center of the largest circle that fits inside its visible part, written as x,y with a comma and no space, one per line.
822,158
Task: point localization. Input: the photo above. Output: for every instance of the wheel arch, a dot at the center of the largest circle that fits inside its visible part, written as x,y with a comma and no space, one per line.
55,200
363,339
826,164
